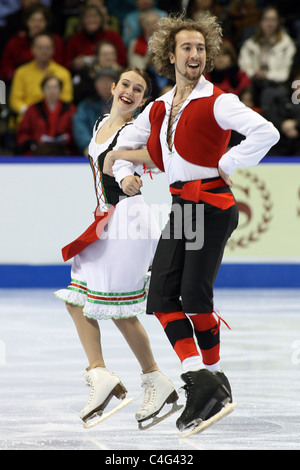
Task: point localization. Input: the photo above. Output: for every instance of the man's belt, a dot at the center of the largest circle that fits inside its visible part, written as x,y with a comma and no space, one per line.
198,191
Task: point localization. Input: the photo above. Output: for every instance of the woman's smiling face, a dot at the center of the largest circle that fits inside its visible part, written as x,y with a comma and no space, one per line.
128,93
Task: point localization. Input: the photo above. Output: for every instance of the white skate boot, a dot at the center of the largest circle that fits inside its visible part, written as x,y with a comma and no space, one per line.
159,390
104,385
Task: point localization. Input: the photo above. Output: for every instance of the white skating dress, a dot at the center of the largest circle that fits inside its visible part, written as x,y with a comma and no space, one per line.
108,277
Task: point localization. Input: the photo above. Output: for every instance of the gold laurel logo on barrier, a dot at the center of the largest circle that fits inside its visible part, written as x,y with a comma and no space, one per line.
255,209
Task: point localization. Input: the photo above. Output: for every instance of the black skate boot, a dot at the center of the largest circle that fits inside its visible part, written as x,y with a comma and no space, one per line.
208,400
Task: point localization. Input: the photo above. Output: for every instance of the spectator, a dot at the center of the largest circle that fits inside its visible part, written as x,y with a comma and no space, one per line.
244,17
7,9
7,137
131,25
138,52
110,21
46,128
83,81
267,56
226,73
121,9
171,6
106,56
90,109
81,46
26,83
11,17
290,11
247,97
159,82
282,108
196,7
18,51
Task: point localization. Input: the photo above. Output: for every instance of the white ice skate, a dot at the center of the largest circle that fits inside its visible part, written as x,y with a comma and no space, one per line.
104,385
159,390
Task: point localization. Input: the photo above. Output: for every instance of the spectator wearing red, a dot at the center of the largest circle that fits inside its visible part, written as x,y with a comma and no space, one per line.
81,46
46,128
18,50
226,74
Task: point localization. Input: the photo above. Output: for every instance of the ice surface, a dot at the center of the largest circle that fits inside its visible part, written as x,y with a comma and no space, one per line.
42,388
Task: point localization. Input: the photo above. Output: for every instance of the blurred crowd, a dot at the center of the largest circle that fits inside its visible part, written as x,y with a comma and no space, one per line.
59,58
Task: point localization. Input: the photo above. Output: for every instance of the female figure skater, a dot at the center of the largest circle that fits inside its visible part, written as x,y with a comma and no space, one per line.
108,274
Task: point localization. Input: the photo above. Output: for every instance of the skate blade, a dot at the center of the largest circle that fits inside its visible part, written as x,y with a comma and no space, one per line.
203,425
157,419
97,418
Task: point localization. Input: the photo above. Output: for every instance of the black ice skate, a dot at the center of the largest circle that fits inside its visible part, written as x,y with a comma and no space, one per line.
208,400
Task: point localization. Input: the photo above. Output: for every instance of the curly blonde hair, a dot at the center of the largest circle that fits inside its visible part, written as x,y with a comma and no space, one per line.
163,41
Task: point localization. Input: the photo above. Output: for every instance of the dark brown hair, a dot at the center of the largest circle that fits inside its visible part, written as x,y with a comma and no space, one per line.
258,36
50,77
144,75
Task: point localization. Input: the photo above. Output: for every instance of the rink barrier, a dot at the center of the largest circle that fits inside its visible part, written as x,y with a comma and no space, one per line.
230,275
40,273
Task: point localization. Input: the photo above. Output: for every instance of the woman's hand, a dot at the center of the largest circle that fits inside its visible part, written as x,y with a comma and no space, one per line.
131,185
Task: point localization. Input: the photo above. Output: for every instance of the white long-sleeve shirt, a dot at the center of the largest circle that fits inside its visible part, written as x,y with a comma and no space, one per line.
230,113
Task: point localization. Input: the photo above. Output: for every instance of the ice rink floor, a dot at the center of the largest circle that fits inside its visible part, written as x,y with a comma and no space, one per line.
42,389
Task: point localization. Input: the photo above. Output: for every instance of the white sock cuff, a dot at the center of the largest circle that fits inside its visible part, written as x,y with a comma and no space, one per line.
213,367
192,363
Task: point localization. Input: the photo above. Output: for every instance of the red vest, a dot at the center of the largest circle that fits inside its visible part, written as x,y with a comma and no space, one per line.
198,138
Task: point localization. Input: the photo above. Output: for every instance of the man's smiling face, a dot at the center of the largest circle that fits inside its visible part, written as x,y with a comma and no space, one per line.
189,58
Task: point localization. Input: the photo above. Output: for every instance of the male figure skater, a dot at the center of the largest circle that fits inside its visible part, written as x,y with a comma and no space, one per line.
187,131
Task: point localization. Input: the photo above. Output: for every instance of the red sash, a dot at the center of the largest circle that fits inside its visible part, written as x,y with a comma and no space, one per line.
92,233
197,191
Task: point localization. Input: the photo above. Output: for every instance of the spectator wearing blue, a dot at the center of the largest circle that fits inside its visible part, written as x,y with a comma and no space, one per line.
131,23
93,107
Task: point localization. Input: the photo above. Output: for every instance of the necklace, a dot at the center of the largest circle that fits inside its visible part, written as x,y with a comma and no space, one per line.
188,87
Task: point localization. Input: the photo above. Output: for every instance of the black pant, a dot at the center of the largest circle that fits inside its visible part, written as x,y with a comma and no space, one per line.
183,278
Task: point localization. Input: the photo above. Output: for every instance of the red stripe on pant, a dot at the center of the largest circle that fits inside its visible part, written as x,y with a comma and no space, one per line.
179,330
208,336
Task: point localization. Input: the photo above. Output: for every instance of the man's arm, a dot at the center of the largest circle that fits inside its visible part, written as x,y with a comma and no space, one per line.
260,134
137,157
133,137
